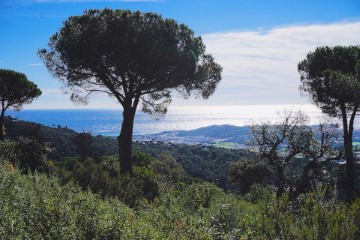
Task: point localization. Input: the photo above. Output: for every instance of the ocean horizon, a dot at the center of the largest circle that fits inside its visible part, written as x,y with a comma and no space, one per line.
107,122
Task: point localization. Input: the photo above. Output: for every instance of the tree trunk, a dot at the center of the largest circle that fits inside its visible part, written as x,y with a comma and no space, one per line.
2,125
304,183
281,178
349,170
125,140
349,156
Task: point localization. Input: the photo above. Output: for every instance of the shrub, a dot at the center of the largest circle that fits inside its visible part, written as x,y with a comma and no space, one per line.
104,178
169,170
245,173
134,189
198,195
34,206
311,216
142,159
27,154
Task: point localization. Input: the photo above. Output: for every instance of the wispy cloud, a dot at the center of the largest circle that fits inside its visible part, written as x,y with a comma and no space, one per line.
52,91
50,1
34,65
264,64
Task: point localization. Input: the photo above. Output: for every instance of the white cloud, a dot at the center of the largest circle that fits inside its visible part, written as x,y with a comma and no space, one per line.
263,65
258,67
54,98
51,92
35,65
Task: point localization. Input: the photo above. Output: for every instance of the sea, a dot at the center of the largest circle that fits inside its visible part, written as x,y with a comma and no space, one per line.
108,122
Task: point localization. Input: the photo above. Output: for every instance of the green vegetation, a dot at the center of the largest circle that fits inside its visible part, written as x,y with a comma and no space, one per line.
207,163
89,198
36,206
227,145
244,174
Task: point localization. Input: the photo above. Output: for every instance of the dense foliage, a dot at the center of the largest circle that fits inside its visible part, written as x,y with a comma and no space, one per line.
103,177
35,206
208,163
244,174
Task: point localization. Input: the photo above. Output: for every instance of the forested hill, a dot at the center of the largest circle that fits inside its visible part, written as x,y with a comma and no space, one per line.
206,162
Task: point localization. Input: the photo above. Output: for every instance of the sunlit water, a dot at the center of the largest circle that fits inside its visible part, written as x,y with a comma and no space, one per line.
108,122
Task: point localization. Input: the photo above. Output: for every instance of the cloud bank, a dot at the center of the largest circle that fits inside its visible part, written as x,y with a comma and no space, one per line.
260,67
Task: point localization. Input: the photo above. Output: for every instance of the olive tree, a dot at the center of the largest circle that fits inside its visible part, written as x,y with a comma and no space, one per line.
138,58
331,77
291,138
281,142
15,91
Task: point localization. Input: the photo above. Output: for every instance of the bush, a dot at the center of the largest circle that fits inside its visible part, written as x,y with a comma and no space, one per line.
37,207
198,195
27,154
311,216
134,189
104,178
245,173
170,172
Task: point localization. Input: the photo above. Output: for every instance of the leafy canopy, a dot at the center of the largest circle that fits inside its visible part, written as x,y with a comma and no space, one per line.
16,90
331,76
132,56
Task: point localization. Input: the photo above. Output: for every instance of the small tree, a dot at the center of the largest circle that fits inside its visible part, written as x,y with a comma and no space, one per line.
331,77
280,143
134,57
83,142
323,148
15,91
291,138
245,173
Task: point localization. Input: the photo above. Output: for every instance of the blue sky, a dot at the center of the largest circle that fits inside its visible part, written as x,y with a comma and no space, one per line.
258,42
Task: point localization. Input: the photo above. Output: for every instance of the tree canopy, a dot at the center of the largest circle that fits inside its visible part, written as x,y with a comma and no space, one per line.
331,77
135,57
15,91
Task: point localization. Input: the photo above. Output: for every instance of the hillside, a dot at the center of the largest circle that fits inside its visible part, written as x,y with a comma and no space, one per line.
89,198
210,135
202,161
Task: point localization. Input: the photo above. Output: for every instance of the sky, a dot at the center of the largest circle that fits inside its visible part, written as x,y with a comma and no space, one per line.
257,42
